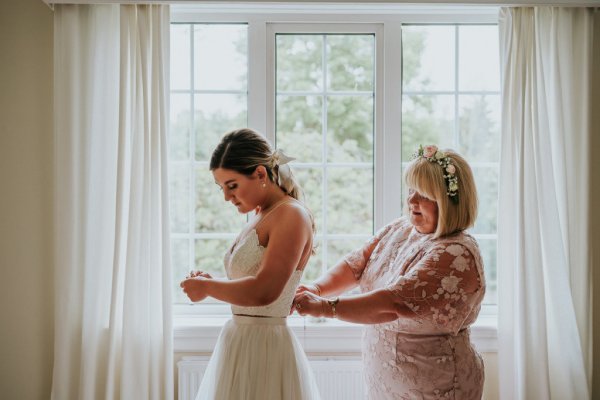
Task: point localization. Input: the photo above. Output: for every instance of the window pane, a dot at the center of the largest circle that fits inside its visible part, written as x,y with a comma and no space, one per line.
350,123
468,122
180,267
311,180
343,204
220,57
180,57
350,200
480,127
486,180
314,267
213,214
488,253
350,62
428,62
210,254
479,59
299,62
179,134
299,127
336,249
179,197
215,114
427,119
208,98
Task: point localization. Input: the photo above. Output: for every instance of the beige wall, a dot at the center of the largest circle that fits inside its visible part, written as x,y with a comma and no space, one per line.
595,211
26,162
26,267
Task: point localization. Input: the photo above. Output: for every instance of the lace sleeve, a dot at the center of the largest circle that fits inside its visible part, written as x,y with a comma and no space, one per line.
441,287
358,259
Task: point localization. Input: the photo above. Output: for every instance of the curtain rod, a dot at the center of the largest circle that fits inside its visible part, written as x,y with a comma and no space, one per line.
343,3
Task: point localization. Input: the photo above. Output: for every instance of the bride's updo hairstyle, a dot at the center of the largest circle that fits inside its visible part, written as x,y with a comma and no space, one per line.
243,150
445,177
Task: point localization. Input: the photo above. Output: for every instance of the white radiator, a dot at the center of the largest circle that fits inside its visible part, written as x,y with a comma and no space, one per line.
338,379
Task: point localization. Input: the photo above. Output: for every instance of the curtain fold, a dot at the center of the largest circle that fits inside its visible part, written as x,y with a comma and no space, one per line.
545,325
113,336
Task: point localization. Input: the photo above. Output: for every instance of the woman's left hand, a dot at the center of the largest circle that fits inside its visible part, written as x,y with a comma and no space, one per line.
307,303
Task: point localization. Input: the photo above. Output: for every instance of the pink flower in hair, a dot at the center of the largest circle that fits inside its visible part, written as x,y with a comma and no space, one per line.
429,151
450,169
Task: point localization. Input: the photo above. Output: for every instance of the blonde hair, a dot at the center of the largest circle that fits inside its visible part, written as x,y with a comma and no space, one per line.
427,178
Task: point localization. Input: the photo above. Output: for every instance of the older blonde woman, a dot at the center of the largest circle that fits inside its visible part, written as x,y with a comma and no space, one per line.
422,285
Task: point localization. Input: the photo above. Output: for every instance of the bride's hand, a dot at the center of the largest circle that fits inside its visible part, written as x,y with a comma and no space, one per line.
194,287
194,274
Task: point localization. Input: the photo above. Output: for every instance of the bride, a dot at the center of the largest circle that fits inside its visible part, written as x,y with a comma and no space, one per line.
257,357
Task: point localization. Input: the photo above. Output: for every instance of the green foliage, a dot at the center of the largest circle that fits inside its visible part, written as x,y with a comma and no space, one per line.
350,62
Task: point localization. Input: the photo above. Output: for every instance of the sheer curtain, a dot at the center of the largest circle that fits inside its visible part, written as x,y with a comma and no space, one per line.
545,325
113,300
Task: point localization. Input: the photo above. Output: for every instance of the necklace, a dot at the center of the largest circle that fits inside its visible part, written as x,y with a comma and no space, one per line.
264,211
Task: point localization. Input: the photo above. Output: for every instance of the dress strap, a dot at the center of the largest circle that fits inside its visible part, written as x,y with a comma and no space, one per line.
273,209
305,257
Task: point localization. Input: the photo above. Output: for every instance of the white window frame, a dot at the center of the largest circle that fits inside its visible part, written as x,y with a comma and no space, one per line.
198,333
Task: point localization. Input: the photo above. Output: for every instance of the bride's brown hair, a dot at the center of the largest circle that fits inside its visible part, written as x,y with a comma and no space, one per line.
242,150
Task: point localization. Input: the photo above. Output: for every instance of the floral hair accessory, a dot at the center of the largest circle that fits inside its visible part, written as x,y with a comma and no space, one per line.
432,154
284,174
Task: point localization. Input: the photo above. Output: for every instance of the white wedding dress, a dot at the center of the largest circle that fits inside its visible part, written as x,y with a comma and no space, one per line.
258,358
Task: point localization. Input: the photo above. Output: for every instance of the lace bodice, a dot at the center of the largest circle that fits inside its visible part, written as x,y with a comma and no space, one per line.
244,260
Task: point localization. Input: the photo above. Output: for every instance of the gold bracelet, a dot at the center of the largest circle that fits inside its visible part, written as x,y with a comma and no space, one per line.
318,289
332,304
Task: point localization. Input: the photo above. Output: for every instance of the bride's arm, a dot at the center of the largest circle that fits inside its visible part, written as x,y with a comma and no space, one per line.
288,237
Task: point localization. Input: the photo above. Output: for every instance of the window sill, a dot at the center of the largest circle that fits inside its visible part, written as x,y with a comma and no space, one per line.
198,334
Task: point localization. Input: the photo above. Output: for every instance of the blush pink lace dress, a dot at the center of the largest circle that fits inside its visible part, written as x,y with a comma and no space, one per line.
428,354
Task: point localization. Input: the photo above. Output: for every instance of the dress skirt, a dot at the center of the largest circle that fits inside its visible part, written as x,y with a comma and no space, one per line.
258,358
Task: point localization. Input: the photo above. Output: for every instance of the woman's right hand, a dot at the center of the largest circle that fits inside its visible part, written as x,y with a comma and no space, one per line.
194,274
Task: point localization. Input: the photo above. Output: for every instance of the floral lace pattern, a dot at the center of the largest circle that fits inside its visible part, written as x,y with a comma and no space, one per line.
244,260
426,353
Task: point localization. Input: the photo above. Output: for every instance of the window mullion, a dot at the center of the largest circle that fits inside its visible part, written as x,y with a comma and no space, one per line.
260,76
388,125
192,159
324,155
456,91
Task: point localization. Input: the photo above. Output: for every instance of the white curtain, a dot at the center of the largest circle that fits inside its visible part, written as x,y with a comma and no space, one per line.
544,276
113,337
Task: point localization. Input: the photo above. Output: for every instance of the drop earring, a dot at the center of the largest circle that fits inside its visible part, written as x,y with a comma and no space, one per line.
264,184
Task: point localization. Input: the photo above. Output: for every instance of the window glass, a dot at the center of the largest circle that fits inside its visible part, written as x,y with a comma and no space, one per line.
208,76
457,110
325,91
429,57
325,118
220,56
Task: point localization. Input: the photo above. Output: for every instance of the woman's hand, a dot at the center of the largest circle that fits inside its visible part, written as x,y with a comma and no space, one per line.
308,288
194,274
308,303
193,286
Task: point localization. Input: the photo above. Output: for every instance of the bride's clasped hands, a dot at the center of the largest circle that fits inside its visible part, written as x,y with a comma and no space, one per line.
193,286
